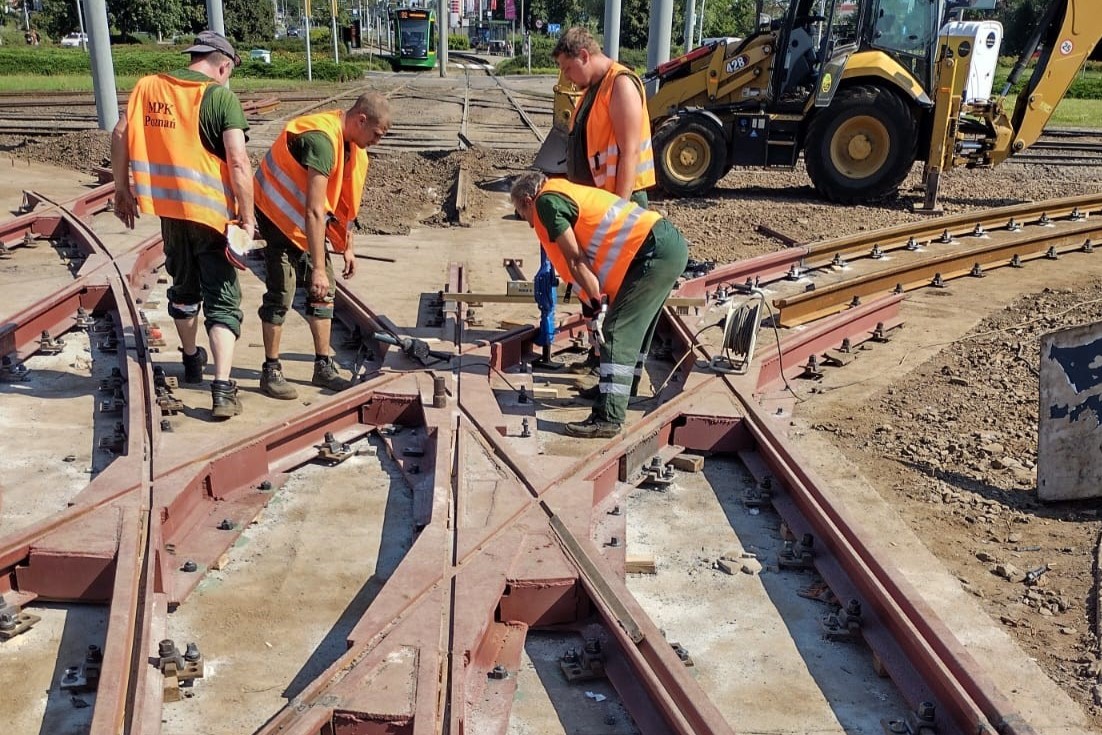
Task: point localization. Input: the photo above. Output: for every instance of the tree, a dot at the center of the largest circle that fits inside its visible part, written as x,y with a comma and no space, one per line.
252,20
57,18
163,17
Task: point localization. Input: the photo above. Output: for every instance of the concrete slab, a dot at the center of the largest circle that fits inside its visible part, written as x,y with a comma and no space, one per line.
279,611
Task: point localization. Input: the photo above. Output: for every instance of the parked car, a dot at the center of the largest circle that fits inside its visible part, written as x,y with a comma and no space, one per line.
294,33
263,55
75,39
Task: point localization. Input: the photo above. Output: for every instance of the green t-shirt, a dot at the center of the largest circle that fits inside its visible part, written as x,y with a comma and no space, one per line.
556,212
313,149
219,111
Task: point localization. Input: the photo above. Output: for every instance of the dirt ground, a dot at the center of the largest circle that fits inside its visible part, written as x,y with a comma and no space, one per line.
954,441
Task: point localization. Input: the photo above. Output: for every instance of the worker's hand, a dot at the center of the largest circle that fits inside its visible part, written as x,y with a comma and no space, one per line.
349,263
126,209
249,225
319,285
591,308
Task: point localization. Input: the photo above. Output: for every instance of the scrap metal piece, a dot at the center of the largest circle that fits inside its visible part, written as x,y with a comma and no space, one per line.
12,371
332,451
116,442
85,676
658,473
178,669
14,621
760,494
683,654
797,556
48,345
584,665
920,722
843,625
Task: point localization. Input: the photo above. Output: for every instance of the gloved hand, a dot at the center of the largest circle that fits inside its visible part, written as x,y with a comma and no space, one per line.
598,320
591,308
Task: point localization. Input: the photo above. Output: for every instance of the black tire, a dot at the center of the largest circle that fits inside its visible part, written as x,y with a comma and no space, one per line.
862,146
690,155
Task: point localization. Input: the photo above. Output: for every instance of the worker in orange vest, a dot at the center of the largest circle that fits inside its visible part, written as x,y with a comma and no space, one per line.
623,260
609,144
183,137
308,191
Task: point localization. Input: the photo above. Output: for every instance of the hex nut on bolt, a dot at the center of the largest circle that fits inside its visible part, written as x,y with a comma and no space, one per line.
190,566
498,672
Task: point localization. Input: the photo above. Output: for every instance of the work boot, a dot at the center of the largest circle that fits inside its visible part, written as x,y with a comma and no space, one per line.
594,428
591,393
225,403
589,365
274,384
193,366
326,375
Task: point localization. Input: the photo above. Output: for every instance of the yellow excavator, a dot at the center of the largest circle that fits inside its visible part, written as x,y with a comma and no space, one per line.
863,88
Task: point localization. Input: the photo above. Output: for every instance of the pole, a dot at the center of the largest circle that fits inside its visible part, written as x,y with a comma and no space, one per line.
306,26
690,24
215,21
83,33
700,28
658,39
103,71
26,16
443,20
333,13
612,29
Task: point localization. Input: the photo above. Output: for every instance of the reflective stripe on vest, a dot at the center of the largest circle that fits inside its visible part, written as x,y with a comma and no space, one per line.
281,182
601,147
609,231
174,175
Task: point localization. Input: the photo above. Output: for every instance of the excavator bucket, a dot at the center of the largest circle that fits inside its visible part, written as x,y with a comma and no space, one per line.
551,158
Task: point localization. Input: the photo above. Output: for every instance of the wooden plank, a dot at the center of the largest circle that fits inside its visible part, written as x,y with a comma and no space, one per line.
640,564
688,463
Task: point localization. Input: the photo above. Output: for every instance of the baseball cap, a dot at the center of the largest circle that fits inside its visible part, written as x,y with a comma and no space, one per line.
209,41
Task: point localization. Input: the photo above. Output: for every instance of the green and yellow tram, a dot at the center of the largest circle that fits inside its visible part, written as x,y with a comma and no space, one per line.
415,38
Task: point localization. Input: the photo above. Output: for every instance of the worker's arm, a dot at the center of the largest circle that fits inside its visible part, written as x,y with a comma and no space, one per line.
126,208
349,255
580,271
241,178
316,216
626,111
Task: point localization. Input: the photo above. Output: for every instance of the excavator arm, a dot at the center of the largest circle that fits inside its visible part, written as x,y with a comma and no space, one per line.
1070,29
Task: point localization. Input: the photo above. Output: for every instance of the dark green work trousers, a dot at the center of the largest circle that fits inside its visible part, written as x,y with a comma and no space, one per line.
633,316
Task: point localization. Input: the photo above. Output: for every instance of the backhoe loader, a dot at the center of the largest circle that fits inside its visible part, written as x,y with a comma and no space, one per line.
861,88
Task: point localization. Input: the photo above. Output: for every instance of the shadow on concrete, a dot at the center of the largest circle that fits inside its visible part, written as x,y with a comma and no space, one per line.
824,659
70,711
396,539
591,707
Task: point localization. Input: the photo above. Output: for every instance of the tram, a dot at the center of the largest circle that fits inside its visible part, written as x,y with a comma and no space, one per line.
415,38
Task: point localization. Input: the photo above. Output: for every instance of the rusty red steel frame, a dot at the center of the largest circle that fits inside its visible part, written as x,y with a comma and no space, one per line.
439,648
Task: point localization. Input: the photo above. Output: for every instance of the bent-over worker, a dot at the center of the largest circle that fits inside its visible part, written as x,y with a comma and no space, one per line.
612,250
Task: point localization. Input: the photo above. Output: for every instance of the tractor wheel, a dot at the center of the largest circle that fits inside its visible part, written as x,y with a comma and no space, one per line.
690,155
862,146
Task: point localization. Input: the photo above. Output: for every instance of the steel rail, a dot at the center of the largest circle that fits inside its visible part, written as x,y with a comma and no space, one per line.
948,670
923,231
1008,249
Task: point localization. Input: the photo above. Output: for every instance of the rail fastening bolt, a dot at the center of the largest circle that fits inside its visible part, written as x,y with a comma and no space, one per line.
190,566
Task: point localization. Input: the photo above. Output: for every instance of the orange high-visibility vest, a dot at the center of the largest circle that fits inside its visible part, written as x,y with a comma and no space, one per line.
174,175
280,187
600,140
609,230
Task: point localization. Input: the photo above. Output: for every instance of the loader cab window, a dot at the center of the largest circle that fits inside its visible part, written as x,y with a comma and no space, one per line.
904,26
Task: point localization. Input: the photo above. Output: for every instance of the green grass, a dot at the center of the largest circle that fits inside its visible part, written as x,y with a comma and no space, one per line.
1074,113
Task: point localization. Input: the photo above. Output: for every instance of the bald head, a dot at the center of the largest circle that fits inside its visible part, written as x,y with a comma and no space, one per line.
368,119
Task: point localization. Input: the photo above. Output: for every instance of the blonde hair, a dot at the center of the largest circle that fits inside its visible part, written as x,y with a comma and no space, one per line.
573,41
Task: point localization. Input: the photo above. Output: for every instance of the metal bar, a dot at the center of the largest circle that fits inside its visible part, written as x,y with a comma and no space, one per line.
799,309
